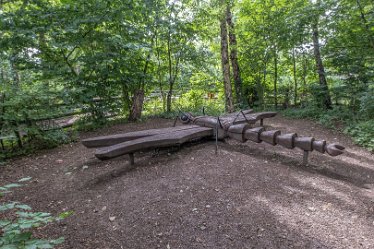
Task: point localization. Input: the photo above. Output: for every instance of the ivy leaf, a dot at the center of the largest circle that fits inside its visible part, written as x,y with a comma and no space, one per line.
12,185
66,214
57,241
24,207
25,179
37,243
4,223
8,246
25,236
7,206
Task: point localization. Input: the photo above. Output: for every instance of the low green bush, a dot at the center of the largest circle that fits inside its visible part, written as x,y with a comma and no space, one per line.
52,138
367,104
335,117
362,133
17,230
359,127
309,112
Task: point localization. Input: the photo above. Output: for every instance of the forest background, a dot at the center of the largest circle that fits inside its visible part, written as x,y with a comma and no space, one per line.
98,62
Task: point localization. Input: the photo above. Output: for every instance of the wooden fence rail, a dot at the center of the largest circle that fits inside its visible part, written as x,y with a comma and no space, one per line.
13,131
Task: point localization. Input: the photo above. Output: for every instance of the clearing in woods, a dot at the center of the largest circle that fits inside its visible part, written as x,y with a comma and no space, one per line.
248,196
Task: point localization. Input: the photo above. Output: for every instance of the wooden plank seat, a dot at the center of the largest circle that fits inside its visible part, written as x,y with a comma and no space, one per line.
253,118
202,126
171,138
237,126
123,137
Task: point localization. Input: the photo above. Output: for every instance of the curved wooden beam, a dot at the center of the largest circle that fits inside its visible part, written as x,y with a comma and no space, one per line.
120,138
156,141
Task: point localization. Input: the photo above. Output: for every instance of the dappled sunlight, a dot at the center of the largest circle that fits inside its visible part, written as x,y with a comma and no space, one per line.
326,222
326,188
208,123
358,156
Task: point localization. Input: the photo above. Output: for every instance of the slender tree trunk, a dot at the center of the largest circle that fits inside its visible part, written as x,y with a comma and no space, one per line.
172,78
2,101
15,74
294,77
275,77
163,97
261,95
16,82
137,105
305,66
326,99
138,97
171,81
234,58
226,66
365,23
125,98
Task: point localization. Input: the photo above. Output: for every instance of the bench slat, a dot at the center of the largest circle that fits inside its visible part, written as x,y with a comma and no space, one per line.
155,141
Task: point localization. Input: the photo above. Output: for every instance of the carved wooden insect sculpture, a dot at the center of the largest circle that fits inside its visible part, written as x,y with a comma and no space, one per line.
239,126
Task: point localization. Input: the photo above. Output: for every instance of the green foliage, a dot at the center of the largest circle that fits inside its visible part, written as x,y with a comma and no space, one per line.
17,231
362,133
333,118
367,104
336,116
59,57
52,138
308,112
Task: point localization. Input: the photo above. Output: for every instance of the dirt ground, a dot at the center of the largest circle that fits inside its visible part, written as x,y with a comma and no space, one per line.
248,196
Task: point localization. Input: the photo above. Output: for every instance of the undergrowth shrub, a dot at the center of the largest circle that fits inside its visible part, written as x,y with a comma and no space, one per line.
362,133
334,117
367,104
309,112
52,138
359,127
17,229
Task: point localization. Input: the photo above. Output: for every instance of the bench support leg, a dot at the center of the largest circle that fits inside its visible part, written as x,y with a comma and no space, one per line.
132,160
305,157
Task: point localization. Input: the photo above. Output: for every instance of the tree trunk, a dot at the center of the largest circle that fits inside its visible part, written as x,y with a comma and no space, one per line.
162,92
226,66
326,99
137,105
366,25
171,77
234,58
138,97
125,98
2,110
275,77
305,67
159,75
294,77
168,99
15,74
261,86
